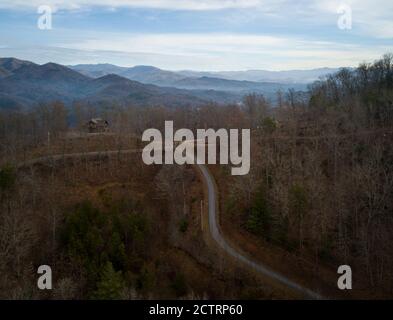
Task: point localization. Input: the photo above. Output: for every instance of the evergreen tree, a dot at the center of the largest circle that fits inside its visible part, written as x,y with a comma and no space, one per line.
260,218
111,284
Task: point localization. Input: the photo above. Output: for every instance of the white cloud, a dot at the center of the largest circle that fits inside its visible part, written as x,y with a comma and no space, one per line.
185,44
372,20
197,5
230,51
370,17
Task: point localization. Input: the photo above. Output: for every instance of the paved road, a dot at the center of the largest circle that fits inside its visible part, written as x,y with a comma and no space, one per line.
213,218
217,236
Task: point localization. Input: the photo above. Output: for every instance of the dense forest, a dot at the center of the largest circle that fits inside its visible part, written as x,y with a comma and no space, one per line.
322,183
320,189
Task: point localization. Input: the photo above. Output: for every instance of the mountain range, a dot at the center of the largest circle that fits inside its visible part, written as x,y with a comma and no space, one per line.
24,83
283,77
240,82
153,75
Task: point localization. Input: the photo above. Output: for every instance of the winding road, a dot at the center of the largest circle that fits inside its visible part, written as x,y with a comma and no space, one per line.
217,236
214,227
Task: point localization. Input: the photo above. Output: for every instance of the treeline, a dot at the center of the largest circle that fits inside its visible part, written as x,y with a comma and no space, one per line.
364,95
321,183
21,131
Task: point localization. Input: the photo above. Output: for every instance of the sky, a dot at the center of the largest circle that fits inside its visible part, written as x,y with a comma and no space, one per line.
204,35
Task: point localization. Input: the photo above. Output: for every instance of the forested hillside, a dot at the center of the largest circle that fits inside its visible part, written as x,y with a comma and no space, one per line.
319,195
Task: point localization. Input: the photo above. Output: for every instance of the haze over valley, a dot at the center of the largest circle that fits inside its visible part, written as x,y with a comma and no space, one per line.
24,83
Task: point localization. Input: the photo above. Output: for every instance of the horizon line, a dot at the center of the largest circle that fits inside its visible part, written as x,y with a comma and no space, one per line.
178,70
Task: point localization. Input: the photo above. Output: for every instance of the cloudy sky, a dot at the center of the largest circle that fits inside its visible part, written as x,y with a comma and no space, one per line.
199,34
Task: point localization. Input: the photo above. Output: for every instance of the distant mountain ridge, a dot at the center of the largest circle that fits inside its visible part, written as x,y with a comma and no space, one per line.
98,70
144,74
284,77
153,75
11,64
24,84
239,86
237,82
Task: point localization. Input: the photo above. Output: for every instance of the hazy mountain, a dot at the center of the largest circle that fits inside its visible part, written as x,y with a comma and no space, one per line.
98,70
27,84
9,65
286,77
13,64
234,82
153,75
32,83
115,88
23,83
144,74
241,87
4,72
191,80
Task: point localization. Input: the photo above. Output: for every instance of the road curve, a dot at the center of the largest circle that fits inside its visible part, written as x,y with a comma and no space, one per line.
212,211
217,236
